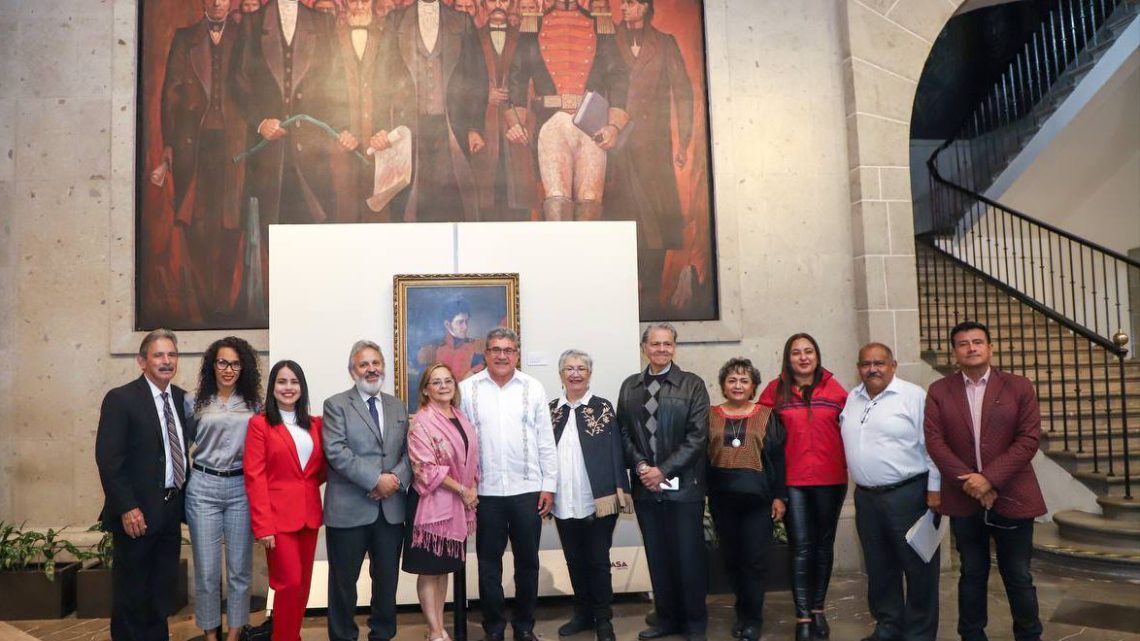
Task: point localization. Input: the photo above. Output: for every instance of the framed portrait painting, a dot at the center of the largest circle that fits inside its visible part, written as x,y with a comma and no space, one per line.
444,318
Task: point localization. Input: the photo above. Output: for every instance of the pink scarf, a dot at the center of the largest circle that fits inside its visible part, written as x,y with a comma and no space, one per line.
435,448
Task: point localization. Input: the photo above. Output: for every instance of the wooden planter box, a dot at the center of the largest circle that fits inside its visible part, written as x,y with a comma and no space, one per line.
28,594
94,591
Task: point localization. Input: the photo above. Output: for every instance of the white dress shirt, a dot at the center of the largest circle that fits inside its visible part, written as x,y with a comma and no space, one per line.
574,498
301,437
498,40
975,395
359,41
156,394
287,10
517,453
883,437
379,411
428,13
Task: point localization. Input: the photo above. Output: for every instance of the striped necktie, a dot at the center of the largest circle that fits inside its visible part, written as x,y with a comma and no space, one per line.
177,459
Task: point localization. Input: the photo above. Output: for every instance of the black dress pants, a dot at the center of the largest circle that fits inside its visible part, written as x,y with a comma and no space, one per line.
882,519
813,515
1013,540
673,533
501,519
744,527
346,546
586,544
144,577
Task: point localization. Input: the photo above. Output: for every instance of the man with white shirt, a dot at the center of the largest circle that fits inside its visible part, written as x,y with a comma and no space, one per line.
518,459
895,483
365,443
436,85
141,450
982,428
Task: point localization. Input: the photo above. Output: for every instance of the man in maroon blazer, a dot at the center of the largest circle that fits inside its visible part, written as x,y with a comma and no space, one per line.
982,430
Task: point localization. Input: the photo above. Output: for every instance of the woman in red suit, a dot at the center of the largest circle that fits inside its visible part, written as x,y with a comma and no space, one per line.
284,470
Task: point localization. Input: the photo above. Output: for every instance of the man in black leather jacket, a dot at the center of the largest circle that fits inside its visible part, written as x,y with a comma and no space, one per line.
663,412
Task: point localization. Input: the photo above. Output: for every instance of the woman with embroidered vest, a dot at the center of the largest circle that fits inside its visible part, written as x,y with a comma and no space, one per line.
217,509
284,471
808,401
746,487
592,488
444,451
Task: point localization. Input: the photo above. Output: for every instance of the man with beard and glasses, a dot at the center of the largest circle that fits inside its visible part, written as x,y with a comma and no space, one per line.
565,60
518,461
504,174
365,435
360,50
202,128
140,449
895,482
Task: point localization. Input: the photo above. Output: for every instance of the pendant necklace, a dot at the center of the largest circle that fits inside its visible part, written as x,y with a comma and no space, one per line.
737,425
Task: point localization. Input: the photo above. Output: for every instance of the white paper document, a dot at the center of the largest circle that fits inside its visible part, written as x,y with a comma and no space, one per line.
925,537
393,168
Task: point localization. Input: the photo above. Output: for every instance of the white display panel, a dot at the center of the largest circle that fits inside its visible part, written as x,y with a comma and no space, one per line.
330,285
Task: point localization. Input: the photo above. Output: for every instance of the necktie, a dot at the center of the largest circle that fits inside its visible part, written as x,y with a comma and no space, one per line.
372,410
176,457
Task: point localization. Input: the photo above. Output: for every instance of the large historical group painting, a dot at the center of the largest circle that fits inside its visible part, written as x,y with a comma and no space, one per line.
258,112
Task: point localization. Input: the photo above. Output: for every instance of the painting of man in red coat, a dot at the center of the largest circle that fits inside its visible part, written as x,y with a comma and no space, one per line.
982,429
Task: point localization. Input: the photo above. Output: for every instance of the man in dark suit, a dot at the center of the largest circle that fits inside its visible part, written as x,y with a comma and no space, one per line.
202,129
982,430
505,175
360,47
663,412
140,449
436,85
365,443
285,67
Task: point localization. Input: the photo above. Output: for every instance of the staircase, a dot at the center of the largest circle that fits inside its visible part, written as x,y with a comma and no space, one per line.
1090,407
1058,306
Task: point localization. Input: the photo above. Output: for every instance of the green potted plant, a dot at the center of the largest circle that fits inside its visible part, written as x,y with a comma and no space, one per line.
93,599
93,594
35,583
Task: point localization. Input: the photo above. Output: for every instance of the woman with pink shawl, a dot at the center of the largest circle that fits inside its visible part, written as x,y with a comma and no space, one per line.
444,451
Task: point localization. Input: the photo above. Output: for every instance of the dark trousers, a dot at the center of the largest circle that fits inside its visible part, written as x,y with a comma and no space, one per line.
144,577
586,545
501,519
346,547
882,520
1013,539
744,527
673,533
813,515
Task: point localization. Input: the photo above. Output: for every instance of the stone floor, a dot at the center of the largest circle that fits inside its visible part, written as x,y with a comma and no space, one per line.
1072,608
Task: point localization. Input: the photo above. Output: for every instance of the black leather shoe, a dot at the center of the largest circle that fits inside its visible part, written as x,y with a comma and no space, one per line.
525,635
575,625
803,631
750,633
655,633
819,626
605,631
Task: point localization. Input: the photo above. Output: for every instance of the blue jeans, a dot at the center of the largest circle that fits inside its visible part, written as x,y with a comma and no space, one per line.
218,511
1013,539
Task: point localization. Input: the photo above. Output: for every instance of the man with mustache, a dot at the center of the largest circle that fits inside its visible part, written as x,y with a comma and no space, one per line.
468,7
565,60
361,50
895,483
365,435
504,175
518,460
140,449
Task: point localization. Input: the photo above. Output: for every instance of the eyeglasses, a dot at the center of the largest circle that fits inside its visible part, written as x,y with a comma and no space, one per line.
576,370
441,382
998,526
223,364
867,410
503,351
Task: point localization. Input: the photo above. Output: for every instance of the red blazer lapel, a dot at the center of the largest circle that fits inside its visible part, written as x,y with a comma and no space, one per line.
286,441
993,393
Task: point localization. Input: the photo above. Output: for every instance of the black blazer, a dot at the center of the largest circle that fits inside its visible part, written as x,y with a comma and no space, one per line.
130,456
